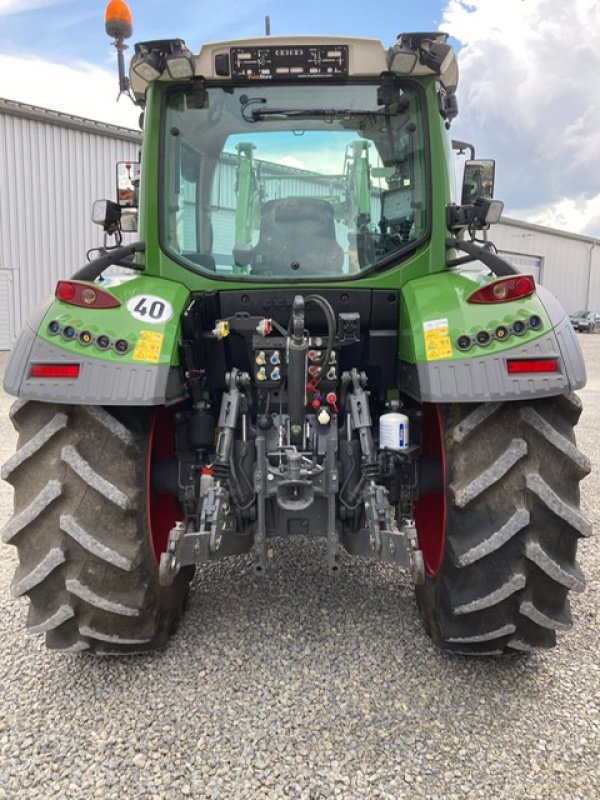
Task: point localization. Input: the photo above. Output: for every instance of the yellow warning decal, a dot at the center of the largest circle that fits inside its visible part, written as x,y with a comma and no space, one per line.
148,347
437,339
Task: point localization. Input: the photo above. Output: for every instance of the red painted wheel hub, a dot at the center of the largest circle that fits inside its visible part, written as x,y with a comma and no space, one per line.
430,509
162,510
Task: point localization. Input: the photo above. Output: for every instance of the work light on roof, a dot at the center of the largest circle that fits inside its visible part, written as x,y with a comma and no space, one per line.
436,56
150,66
180,65
428,49
402,60
172,55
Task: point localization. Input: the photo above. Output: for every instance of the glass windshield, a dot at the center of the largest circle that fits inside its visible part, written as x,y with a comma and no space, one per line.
293,182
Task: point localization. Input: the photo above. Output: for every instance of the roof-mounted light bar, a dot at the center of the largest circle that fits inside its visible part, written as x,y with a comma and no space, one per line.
300,58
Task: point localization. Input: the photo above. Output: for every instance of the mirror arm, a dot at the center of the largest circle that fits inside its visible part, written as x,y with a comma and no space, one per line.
496,263
460,147
118,257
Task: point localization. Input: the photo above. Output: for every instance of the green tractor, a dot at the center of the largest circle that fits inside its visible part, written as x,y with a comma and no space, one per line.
309,337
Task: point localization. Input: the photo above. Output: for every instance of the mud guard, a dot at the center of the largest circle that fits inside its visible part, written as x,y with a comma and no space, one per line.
433,368
146,373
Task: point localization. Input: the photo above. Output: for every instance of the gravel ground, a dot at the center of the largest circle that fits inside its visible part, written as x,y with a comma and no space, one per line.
302,686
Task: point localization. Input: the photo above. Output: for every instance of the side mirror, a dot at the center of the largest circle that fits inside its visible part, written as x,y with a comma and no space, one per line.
478,181
128,183
129,220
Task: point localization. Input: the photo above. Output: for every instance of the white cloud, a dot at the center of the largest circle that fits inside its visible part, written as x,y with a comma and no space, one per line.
322,157
82,89
581,214
18,6
290,161
528,97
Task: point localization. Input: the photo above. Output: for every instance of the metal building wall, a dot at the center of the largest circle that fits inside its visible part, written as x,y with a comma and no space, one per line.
570,263
52,167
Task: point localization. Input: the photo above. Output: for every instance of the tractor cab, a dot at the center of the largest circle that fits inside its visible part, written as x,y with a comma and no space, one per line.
293,182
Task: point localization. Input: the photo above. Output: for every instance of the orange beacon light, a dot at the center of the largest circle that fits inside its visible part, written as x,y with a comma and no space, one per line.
118,20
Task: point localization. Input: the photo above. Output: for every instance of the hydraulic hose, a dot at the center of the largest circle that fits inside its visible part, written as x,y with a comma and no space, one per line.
498,265
297,359
298,345
90,271
330,318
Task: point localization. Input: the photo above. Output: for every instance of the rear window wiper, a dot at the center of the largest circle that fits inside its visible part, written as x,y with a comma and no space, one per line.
258,113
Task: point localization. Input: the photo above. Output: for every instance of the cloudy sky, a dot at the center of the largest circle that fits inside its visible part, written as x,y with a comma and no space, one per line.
529,94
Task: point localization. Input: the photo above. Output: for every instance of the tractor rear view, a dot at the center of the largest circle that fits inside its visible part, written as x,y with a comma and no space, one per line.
311,338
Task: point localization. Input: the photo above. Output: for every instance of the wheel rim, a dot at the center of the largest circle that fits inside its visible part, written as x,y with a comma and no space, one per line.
162,510
430,509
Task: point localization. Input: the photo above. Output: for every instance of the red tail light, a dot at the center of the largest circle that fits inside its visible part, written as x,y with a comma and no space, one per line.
84,295
55,370
520,366
504,290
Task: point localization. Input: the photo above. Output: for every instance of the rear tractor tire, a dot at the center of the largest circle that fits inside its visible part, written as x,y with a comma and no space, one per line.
500,541
88,528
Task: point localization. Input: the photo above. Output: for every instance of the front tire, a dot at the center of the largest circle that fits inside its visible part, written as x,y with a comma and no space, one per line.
500,548
83,529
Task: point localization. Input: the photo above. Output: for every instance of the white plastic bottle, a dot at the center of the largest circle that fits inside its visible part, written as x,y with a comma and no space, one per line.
393,431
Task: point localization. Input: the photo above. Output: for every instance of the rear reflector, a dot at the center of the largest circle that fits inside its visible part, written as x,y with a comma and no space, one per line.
55,370
528,365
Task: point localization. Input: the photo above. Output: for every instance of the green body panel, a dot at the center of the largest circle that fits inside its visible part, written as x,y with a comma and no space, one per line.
118,323
439,299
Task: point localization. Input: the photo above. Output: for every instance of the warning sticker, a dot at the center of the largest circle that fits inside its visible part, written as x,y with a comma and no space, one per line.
437,339
148,347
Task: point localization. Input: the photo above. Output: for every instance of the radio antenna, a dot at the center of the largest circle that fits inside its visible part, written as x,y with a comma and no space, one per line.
267,26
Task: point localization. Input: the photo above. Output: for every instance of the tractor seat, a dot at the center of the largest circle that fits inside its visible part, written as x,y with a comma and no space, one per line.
297,237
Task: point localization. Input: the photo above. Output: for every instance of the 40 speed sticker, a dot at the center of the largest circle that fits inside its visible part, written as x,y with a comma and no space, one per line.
149,308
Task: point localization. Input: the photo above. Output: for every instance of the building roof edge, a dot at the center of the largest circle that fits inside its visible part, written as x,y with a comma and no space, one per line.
531,226
61,118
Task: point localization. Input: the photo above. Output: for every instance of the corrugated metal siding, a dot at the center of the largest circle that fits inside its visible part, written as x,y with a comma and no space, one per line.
223,225
223,195
278,181
567,270
6,308
593,298
49,177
